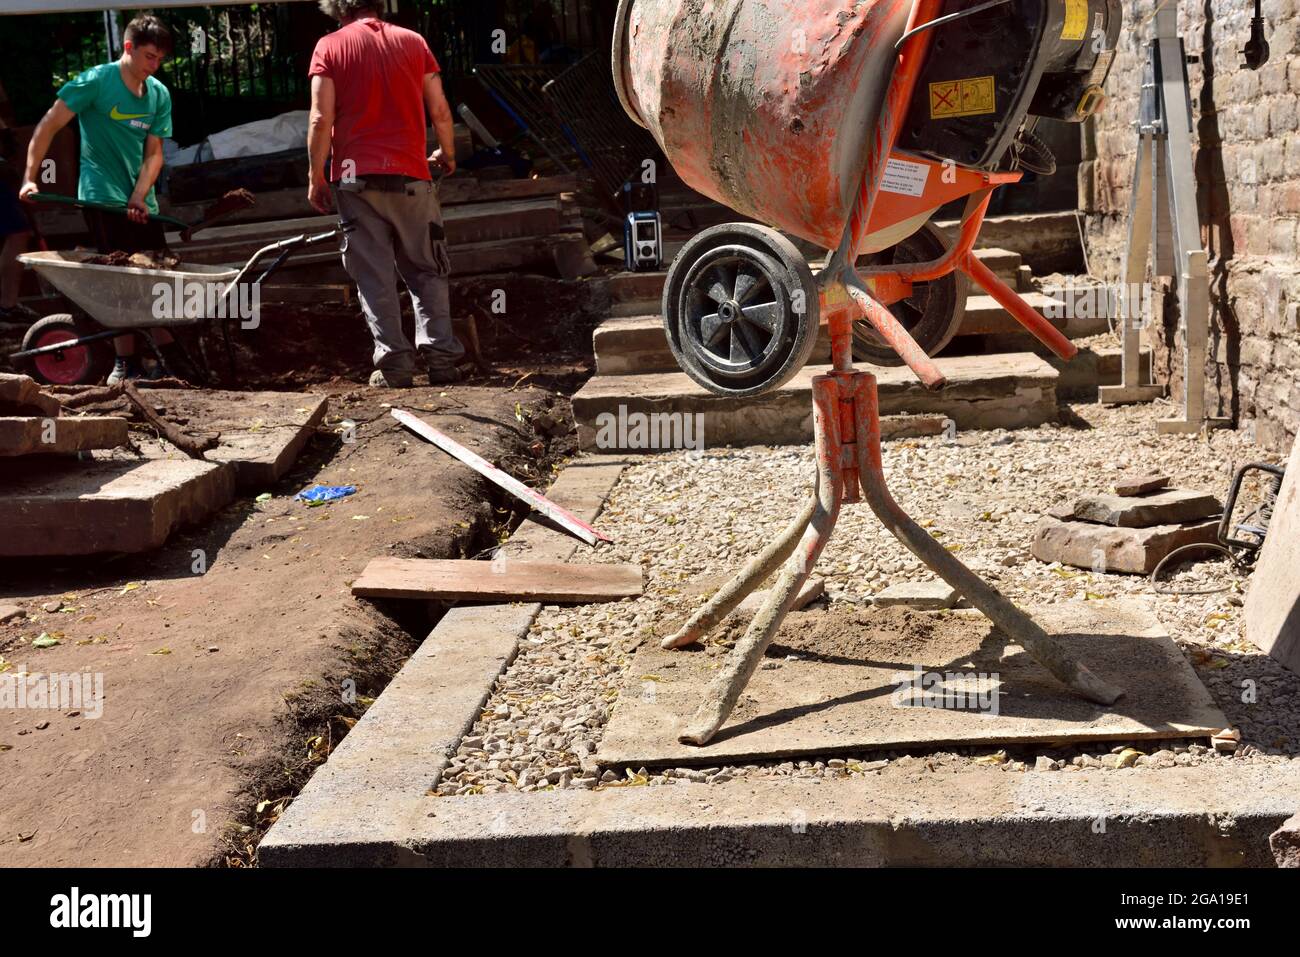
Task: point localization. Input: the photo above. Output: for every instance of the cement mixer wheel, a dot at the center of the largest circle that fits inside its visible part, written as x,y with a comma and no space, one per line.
740,309
932,314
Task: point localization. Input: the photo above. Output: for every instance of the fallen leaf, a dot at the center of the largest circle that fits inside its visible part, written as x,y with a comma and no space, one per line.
44,640
130,586
161,651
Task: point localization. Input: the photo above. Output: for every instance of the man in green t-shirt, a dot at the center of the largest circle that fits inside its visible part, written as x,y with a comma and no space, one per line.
124,113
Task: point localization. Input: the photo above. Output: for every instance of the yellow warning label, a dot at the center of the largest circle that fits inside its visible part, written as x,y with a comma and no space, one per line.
1076,20
968,97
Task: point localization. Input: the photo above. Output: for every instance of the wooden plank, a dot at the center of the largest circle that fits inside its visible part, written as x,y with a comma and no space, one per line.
468,260
325,292
479,222
497,580
489,471
1273,602
292,203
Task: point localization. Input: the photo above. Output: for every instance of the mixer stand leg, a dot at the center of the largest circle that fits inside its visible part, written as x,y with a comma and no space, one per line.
839,398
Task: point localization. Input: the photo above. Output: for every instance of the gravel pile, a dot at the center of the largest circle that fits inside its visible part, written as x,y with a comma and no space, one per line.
691,519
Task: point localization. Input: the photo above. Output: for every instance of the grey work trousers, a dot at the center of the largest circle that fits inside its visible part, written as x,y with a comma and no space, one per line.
387,234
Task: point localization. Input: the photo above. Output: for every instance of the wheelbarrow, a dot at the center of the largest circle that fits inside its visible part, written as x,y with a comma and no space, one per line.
848,124
67,349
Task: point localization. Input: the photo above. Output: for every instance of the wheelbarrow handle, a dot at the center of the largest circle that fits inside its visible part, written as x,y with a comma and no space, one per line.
285,248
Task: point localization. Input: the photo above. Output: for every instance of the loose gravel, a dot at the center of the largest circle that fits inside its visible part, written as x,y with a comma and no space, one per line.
691,518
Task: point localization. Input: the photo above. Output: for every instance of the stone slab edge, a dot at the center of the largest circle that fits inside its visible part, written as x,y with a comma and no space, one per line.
1189,817
270,468
380,774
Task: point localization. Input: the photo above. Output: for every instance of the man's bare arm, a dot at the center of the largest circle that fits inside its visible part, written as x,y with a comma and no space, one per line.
137,211
56,118
440,112
320,131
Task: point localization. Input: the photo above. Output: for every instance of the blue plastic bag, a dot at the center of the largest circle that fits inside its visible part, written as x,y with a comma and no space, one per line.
320,494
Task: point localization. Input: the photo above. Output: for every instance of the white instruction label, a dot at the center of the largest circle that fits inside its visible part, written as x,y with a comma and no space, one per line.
902,176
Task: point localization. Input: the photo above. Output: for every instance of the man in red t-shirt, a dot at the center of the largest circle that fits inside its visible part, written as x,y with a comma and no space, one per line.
370,84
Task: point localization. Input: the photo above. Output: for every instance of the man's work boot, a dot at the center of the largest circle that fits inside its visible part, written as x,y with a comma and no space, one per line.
389,379
443,375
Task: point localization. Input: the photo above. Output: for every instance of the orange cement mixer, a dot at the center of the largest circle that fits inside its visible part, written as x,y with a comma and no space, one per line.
847,124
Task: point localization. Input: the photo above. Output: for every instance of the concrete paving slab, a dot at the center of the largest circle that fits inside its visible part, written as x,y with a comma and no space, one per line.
925,596
1134,551
1017,390
31,435
991,692
1273,602
1175,506
262,433
53,507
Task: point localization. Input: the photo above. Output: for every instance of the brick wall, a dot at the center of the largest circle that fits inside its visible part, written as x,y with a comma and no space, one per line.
1247,161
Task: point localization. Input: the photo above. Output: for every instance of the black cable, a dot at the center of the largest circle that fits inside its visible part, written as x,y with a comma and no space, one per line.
949,18
1039,158
1213,546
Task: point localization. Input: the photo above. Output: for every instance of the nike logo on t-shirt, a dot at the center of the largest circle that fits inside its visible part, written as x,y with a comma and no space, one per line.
116,114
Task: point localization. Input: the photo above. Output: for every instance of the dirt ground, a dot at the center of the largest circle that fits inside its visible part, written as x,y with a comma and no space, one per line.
224,690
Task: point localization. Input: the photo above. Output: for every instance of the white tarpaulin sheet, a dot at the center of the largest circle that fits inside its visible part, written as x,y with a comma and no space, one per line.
284,132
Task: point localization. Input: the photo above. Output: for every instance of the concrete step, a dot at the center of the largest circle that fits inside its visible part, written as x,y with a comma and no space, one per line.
639,293
983,392
1092,368
984,317
626,345
52,507
1048,242
31,435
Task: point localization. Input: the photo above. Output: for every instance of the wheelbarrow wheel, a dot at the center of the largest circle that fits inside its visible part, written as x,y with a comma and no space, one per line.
932,313
740,309
77,365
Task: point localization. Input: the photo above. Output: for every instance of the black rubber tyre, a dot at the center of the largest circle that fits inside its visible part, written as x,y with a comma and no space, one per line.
77,365
931,314
740,309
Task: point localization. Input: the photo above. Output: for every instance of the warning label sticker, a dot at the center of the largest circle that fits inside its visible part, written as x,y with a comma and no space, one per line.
902,176
1076,20
969,97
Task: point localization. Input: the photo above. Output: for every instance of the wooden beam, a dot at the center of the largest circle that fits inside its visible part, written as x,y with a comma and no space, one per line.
497,580
477,222
292,203
470,259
